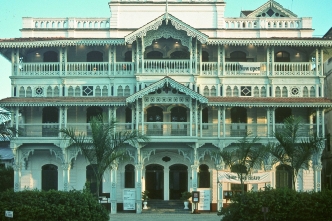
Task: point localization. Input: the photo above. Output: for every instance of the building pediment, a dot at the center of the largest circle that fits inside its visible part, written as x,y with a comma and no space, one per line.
271,9
166,84
164,20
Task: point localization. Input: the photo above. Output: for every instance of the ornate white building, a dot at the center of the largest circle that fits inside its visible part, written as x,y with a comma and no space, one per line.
192,80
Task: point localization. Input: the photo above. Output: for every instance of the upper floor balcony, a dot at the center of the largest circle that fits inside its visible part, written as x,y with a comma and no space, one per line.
165,66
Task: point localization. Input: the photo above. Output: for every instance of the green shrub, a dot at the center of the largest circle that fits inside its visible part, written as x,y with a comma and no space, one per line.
52,205
7,178
282,204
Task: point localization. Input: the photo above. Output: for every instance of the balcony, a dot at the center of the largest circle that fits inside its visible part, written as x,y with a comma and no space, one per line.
171,67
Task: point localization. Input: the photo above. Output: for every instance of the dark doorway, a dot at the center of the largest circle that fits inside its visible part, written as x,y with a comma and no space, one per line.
129,176
91,180
178,180
179,114
50,119
154,181
50,56
238,56
284,176
49,177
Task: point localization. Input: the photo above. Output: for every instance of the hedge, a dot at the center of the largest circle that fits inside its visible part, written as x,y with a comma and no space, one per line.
282,204
52,205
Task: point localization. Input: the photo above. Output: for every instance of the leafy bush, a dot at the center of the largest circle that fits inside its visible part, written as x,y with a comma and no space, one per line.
282,204
7,178
52,205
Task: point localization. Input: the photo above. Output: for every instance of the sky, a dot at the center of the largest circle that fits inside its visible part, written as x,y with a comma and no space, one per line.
12,12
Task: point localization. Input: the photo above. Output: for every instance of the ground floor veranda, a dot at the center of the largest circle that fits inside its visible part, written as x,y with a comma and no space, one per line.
164,169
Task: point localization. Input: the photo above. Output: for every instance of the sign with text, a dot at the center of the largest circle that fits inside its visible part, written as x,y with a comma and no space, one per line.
204,199
250,67
195,196
229,177
9,214
129,199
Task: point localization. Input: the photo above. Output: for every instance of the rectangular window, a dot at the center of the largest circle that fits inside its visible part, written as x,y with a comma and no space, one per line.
87,91
246,91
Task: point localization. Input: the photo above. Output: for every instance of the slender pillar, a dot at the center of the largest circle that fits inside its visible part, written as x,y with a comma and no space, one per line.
317,178
138,178
65,175
166,183
113,194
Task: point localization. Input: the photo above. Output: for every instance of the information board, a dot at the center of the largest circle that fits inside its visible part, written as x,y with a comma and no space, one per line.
129,199
205,199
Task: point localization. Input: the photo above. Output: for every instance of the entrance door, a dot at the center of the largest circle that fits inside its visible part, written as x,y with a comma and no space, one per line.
178,180
154,181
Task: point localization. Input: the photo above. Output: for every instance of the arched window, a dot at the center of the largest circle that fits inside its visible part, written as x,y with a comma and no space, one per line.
305,92
105,91
204,177
179,114
94,56
284,176
77,91
49,91
238,56
129,176
21,92
235,92
154,55
263,92
205,56
284,92
154,114
128,56
282,113
239,115
213,91
91,180
206,91
49,177
98,92
282,56
50,56
256,92
228,91
29,92
70,91
312,92
56,91
93,112
127,91
277,92
180,55
120,91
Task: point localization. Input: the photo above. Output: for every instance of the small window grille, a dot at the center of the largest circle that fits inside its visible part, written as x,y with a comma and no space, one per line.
87,91
246,91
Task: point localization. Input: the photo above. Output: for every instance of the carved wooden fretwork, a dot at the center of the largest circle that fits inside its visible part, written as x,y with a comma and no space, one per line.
167,31
187,154
273,5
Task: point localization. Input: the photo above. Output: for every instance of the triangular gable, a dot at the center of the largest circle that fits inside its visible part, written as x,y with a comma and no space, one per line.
169,82
272,9
155,24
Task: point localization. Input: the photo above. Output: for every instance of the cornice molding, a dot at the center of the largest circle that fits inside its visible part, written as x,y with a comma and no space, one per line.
44,42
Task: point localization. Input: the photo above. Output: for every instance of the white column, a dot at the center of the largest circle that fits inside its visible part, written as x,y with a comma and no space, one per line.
138,178
113,195
317,178
166,183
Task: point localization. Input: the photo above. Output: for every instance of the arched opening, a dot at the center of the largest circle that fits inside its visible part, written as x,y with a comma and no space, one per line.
238,168
205,56
239,121
238,56
282,56
129,176
154,55
91,180
154,181
50,119
179,114
94,56
50,56
154,116
128,56
281,113
204,176
178,180
180,55
49,177
284,176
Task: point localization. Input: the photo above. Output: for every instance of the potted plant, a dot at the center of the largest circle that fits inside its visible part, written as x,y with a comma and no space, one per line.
185,197
145,198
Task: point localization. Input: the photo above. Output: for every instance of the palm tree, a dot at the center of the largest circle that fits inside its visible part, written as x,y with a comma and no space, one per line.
247,155
104,146
292,150
6,132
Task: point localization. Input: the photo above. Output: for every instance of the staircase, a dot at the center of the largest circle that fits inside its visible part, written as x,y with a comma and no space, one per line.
169,206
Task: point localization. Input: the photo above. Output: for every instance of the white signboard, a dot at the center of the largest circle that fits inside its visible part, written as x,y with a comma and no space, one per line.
229,177
250,67
204,199
9,214
129,199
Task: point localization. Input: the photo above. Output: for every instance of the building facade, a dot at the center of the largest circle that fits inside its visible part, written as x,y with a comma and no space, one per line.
193,81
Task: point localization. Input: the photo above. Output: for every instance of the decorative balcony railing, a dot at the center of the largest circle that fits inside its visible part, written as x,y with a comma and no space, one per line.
209,130
167,66
267,23
293,68
163,67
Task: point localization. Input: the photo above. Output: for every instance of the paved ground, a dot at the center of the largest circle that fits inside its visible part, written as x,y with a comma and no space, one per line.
164,217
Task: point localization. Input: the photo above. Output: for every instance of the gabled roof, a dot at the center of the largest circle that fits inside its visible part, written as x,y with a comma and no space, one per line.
271,4
156,23
169,82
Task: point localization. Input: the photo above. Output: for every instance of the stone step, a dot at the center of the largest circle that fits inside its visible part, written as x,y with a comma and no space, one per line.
169,206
